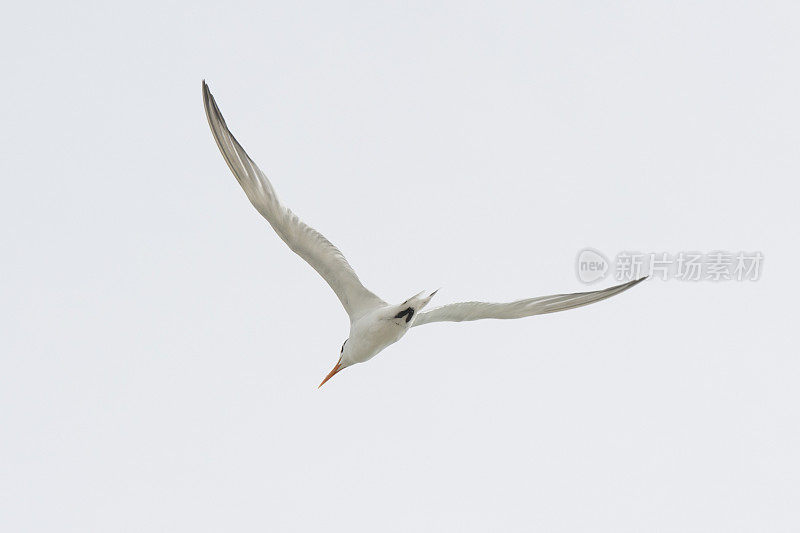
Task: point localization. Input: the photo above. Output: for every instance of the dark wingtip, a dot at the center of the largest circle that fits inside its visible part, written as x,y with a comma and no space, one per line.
206,92
635,282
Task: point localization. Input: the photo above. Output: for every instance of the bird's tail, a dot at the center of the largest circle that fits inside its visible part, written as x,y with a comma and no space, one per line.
421,299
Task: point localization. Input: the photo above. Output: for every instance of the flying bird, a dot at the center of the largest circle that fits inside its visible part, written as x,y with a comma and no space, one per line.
374,324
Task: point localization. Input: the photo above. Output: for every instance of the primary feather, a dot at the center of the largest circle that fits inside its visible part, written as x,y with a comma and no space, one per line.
304,240
463,311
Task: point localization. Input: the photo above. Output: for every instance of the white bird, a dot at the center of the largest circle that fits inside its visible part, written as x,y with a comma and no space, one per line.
374,324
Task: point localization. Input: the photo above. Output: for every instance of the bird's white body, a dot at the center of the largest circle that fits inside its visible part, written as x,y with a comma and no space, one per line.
373,332
370,334
374,324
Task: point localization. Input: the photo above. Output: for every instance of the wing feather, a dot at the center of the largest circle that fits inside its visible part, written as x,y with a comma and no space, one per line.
463,311
302,239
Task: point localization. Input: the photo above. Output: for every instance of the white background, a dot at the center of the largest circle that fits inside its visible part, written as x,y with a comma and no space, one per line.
160,347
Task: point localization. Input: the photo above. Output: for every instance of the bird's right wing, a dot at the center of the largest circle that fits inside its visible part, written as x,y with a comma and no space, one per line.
459,312
304,240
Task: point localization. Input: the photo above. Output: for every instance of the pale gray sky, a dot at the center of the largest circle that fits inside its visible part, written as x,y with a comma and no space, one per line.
156,370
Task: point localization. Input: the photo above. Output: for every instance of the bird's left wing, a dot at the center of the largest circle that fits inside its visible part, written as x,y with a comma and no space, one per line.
304,240
459,312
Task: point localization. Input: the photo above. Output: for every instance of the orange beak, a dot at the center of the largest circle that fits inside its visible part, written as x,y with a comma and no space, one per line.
332,372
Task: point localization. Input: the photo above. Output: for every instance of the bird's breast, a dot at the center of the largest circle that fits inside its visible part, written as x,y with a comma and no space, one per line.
370,336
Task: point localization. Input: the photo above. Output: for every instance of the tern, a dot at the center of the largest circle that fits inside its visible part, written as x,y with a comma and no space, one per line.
374,324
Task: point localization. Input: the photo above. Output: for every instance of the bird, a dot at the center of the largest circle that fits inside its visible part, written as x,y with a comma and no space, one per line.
374,324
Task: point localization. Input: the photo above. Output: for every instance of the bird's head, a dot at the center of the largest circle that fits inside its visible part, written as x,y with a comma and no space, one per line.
341,364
